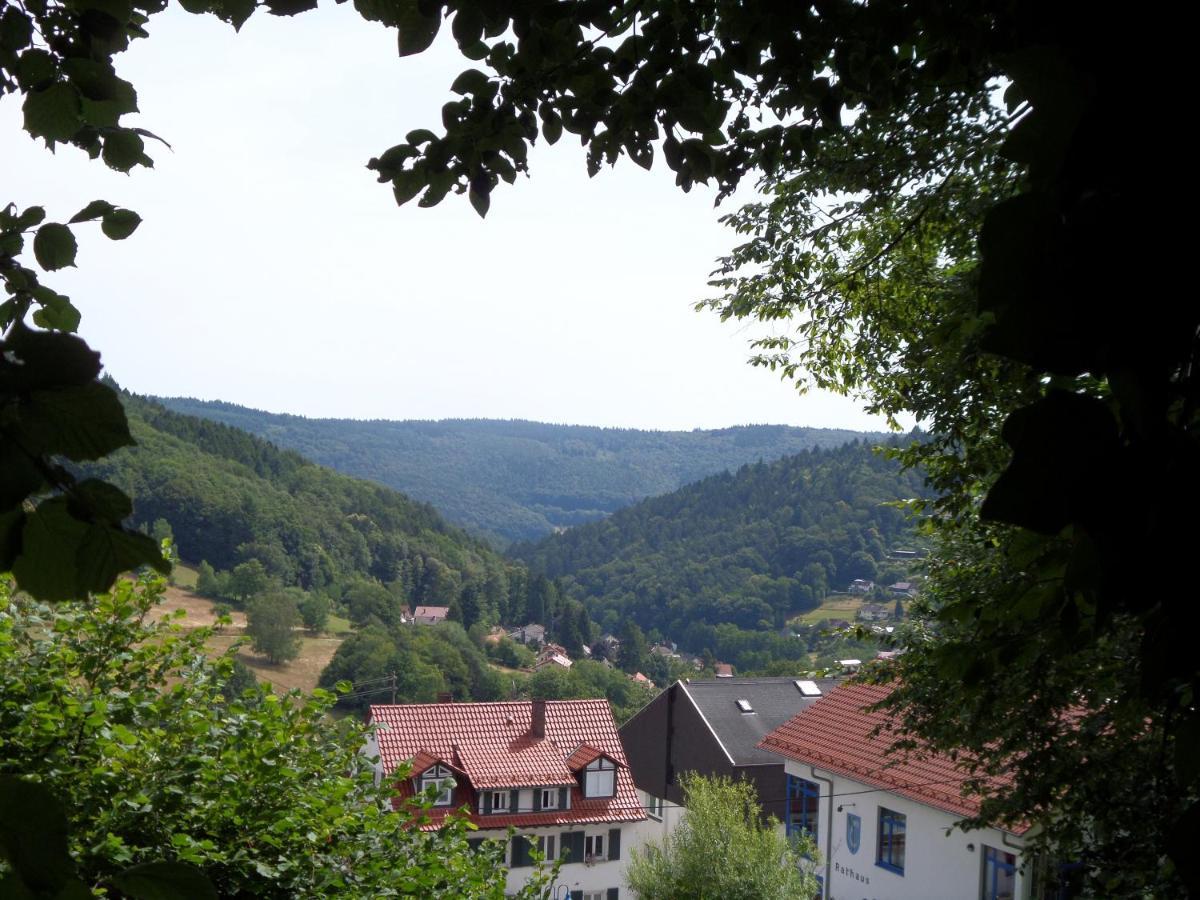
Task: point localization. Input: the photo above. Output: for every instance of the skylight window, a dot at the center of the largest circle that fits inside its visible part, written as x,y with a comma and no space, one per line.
808,688
744,706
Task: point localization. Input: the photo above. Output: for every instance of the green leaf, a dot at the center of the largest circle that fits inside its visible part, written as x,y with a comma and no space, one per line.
54,247
16,30
108,550
35,215
480,201
552,127
406,185
123,150
93,210
417,30
80,422
165,881
19,477
120,223
96,499
472,81
289,7
35,68
47,359
53,113
33,834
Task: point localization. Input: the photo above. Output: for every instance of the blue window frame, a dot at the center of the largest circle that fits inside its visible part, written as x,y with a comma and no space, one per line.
889,851
803,805
999,874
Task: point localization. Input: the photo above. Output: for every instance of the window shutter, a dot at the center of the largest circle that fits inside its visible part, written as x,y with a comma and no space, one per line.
612,894
577,848
562,798
537,799
473,844
520,852
614,843
487,802
564,847
514,802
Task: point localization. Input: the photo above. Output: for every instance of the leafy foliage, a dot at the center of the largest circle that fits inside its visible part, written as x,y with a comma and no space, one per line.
131,728
722,849
517,481
271,622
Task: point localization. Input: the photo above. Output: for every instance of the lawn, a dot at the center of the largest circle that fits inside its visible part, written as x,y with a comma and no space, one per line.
836,606
184,575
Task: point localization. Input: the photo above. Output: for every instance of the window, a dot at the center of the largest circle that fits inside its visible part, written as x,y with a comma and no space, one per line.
803,804
593,848
545,847
600,778
439,777
744,706
549,798
653,805
999,874
500,801
890,850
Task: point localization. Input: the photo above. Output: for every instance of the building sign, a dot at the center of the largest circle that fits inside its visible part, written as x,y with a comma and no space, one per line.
853,832
850,873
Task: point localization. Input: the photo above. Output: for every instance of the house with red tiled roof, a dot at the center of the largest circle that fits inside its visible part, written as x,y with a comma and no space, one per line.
554,770
884,822
430,615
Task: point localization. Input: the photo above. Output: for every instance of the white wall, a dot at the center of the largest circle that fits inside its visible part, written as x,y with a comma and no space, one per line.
578,877
940,863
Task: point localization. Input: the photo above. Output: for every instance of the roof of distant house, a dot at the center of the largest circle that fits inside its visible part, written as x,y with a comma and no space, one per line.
493,746
432,612
772,702
724,670
836,735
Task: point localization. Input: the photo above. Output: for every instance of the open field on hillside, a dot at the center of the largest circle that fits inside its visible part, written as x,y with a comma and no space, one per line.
836,606
301,673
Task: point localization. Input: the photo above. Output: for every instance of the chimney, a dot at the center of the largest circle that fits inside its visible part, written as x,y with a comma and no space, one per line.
537,724
445,697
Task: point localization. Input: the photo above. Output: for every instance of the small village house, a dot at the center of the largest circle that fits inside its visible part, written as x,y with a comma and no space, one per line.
554,770
430,615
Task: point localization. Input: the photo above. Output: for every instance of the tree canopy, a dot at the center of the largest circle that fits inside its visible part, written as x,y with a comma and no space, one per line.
156,756
722,849
948,229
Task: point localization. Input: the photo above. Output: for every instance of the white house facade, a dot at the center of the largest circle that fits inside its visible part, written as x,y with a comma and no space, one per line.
884,824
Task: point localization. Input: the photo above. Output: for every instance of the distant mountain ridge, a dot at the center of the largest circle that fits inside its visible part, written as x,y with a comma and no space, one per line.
515,480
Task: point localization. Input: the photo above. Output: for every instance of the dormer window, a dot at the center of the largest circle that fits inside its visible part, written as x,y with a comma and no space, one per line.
600,778
549,798
500,801
438,777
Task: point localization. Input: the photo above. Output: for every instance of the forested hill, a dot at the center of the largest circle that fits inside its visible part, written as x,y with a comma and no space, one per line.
747,549
229,496
517,480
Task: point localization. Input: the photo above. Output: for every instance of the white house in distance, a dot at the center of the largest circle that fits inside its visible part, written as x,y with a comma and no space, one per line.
430,615
883,822
554,770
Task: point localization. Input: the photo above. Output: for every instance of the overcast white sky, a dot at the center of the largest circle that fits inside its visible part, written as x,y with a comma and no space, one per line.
273,271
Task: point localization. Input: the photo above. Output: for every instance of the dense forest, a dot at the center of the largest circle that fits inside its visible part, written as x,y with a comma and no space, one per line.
713,563
230,497
516,480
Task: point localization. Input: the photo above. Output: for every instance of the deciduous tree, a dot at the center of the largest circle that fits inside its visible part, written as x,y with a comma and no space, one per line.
721,850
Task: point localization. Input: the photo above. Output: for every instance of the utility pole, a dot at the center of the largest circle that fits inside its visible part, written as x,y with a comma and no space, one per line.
392,681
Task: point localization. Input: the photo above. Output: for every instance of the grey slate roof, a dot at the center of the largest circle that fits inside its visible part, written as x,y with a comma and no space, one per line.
774,701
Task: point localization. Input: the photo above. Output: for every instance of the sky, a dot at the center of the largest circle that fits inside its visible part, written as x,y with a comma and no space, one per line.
272,270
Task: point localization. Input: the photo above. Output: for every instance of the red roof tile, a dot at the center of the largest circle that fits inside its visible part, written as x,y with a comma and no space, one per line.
492,744
834,734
